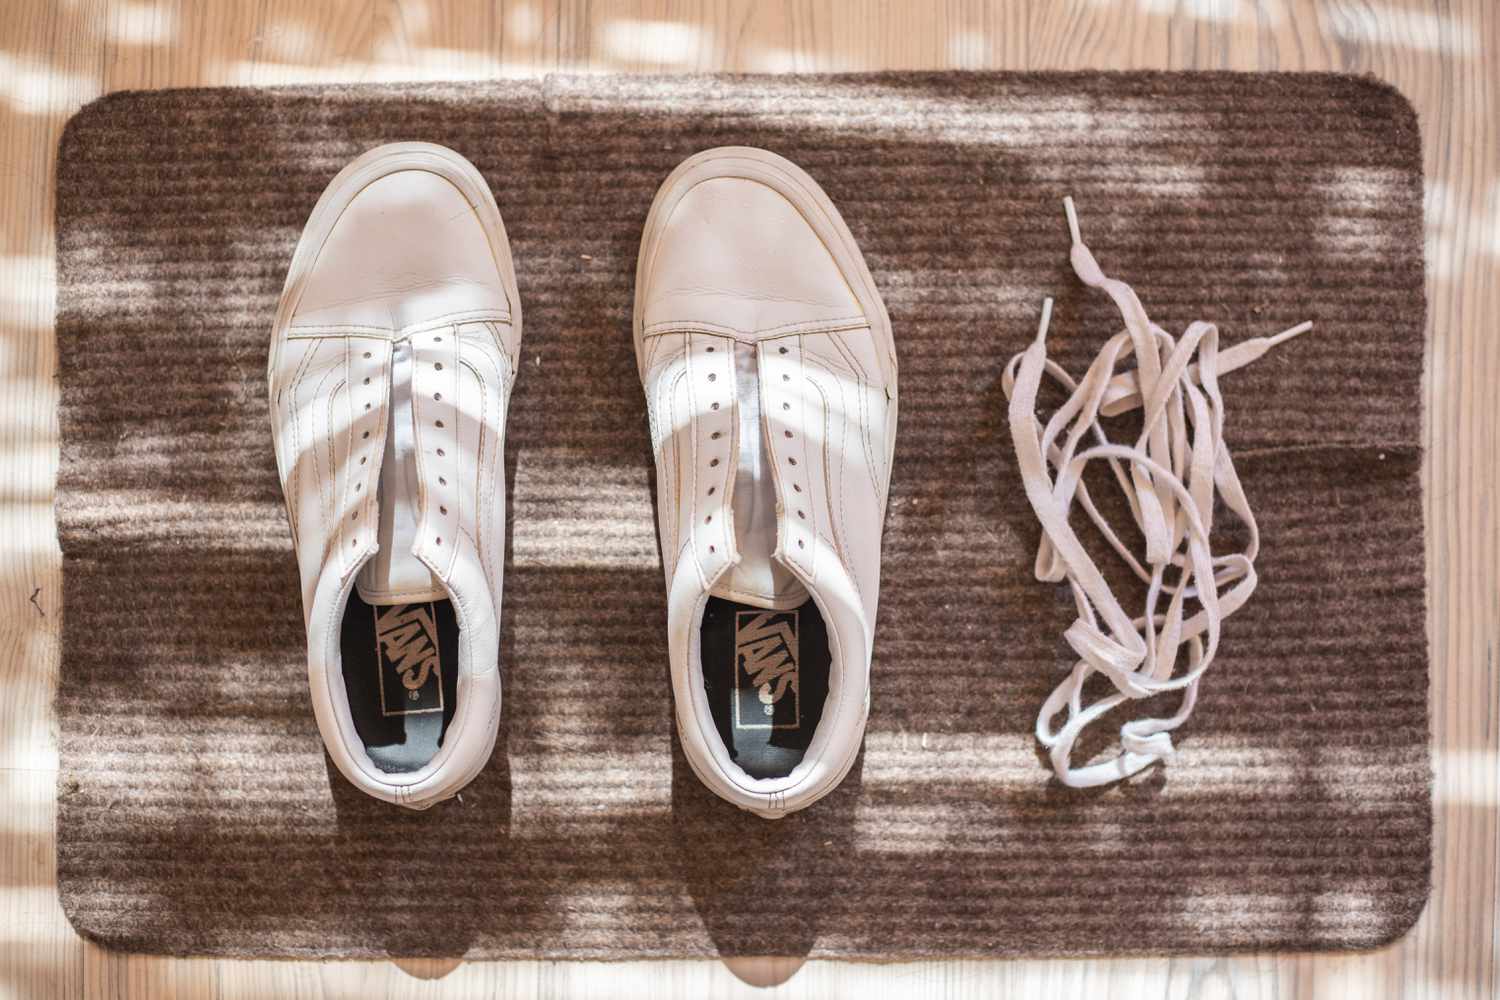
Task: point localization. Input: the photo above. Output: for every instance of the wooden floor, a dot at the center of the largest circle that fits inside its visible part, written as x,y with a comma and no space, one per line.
55,55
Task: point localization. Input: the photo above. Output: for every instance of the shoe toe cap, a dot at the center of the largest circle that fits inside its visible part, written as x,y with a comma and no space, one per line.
736,253
408,248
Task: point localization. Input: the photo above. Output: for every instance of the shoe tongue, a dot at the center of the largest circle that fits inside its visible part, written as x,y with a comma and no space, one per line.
758,579
394,575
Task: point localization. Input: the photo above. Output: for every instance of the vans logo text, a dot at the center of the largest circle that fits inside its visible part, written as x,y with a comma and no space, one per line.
767,678
410,666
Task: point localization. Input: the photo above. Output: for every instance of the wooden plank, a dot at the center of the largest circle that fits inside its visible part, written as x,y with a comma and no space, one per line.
56,56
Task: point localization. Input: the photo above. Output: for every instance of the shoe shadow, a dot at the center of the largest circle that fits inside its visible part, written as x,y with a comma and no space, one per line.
764,889
379,852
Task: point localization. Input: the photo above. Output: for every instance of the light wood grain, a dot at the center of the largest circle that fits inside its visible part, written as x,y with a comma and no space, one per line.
57,54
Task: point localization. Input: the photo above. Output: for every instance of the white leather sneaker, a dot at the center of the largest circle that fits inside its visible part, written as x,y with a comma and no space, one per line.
770,376
392,361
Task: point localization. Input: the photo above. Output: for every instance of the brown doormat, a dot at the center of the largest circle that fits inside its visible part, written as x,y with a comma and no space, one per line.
197,814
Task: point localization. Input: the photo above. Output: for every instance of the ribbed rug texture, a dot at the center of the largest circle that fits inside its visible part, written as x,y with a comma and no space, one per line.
197,813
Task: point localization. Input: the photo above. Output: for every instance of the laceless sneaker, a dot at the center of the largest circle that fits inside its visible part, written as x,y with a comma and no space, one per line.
392,360
770,376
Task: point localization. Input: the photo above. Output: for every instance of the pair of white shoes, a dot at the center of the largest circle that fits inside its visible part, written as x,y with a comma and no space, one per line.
770,377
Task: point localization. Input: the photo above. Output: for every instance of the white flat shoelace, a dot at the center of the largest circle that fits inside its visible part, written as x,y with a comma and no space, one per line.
1176,466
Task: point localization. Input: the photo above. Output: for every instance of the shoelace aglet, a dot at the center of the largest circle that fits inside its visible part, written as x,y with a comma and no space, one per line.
1084,264
1289,333
1072,214
1041,328
1254,349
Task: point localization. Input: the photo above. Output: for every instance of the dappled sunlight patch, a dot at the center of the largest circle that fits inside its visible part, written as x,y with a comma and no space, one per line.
141,24
1468,778
655,42
1355,219
1402,28
560,525
27,283
523,25
968,50
1214,11
392,64
31,86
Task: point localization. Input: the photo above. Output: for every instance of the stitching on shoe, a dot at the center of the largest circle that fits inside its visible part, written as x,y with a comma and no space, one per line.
674,474
326,503
335,331
486,315
482,485
833,325
295,473
841,533
857,370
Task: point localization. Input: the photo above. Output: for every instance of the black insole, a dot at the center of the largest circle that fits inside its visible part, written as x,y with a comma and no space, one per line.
401,673
766,675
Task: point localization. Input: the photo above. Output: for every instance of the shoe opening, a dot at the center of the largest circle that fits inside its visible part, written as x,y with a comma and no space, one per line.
763,642
400,632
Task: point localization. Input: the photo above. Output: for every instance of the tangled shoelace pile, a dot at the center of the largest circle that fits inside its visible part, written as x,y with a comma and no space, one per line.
1169,477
